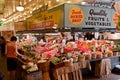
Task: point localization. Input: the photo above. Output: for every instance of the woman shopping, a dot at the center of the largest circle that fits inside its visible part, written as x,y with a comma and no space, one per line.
11,53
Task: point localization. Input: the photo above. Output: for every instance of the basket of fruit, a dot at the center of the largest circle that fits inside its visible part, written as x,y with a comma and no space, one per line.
81,58
55,63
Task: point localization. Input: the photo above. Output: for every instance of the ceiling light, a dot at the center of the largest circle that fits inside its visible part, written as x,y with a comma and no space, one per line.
3,19
20,8
30,12
68,1
83,3
57,0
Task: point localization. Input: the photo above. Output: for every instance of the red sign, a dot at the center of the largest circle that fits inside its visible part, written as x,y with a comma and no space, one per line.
48,24
36,26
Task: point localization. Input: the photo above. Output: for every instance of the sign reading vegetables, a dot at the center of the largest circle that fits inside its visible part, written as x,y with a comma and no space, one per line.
98,18
76,15
71,16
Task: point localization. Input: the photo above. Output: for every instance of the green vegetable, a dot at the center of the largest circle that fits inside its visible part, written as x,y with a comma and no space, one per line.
117,47
80,56
55,60
119,22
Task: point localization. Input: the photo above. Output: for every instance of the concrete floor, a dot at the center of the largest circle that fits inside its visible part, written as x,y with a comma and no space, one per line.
110,77
3,66
3,69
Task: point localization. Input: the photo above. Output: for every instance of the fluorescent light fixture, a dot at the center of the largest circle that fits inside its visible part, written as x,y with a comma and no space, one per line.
20,8
68,1
83,3
3,19
57,0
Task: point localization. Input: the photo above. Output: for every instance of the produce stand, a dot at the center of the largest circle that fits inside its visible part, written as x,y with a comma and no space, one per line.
68,70
115,60
25,75
56,60
53,72
50,65
45,68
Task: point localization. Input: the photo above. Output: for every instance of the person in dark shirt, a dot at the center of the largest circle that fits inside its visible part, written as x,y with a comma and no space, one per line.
89,36
101,36
2,45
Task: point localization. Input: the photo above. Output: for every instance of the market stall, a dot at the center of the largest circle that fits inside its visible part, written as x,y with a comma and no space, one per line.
57,57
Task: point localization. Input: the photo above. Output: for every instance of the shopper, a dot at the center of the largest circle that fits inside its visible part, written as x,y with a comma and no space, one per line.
89,35
11,53
2,77
101,36
2,45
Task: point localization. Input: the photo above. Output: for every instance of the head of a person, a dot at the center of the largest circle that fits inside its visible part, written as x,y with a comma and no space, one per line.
13,38
2,38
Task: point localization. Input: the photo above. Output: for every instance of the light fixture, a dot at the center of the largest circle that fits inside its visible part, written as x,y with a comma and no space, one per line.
83,3
57,0
3,19
20,7
68,1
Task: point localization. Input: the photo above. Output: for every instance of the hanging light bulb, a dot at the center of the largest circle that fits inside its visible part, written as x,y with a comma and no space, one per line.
20,7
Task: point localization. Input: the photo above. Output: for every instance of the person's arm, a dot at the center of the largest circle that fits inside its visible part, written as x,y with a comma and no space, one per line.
17,51
6,49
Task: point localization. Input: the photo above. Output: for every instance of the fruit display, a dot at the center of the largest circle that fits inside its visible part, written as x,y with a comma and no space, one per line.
81,58
74,51
117,47
55,60
30,67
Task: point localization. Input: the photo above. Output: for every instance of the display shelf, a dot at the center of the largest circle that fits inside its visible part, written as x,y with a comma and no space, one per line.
104,58
115,60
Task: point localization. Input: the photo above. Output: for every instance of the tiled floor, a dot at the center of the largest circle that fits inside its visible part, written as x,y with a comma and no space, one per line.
110,77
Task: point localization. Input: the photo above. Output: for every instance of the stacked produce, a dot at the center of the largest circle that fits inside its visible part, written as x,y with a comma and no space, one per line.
30,67
39,52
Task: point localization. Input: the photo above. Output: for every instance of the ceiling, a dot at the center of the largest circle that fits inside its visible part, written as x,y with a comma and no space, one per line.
8,7
1,6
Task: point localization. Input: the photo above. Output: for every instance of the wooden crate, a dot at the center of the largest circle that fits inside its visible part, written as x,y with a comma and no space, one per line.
45,67
32,76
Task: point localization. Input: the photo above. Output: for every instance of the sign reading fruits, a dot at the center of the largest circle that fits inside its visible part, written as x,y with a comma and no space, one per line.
76,15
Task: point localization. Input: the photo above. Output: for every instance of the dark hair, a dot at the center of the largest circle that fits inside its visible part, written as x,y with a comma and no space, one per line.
62,34
13,38
2,38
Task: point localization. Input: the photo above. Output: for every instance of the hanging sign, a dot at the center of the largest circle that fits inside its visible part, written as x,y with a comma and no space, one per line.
7,27
102,3
88,17
46,19
20,26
